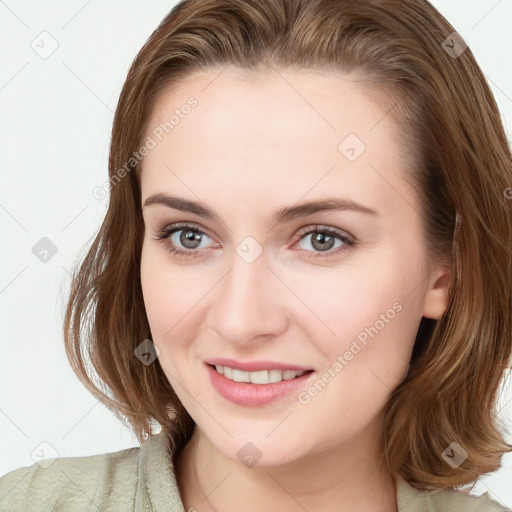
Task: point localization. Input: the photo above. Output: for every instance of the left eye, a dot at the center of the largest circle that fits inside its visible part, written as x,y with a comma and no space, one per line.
324,238
190,237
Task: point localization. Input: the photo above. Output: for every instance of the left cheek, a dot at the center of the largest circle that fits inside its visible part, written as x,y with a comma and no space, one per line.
372,324
385,353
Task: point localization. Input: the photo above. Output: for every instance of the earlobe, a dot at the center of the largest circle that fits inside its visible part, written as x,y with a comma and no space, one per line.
436,299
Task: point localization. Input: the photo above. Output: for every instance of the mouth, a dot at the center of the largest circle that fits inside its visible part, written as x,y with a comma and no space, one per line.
259,387
260,377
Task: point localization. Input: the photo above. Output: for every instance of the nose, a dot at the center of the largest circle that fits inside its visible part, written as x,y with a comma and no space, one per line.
249,304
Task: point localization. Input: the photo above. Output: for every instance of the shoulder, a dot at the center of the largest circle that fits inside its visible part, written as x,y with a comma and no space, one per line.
444,500
72,483
455,500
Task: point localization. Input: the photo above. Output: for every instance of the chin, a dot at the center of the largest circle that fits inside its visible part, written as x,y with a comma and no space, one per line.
256,447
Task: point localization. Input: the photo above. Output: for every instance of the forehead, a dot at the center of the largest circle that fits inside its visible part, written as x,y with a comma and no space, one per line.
292,132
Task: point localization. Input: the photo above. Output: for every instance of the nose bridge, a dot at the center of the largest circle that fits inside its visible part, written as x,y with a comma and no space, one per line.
244,305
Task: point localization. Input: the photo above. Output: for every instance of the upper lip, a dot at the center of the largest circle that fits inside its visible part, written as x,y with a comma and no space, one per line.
254,366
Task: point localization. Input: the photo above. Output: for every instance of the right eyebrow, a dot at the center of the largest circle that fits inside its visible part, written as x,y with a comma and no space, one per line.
181,204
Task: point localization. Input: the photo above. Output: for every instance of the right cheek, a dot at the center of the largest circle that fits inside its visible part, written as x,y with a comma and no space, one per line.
150,271
156,312
153,301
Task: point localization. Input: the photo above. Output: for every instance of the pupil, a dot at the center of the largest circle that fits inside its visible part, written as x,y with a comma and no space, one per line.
323,241
189,237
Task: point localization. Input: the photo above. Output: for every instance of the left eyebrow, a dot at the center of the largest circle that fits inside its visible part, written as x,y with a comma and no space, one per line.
304,209
283,215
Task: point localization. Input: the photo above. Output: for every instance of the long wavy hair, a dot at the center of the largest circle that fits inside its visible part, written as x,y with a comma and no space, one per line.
463,170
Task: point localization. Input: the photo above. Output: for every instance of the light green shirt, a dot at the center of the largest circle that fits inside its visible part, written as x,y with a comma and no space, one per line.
142,479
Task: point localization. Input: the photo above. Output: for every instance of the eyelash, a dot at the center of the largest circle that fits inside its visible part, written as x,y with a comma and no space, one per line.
166,233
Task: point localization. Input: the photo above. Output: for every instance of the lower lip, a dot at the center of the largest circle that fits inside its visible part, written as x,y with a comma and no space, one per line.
254,395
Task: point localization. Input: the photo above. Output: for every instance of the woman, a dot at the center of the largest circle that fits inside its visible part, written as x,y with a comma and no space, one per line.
304,273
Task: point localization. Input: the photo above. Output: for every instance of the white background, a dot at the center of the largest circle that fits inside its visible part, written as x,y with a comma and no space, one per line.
56,116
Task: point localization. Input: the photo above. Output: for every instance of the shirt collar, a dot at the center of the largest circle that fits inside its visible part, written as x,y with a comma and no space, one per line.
157,482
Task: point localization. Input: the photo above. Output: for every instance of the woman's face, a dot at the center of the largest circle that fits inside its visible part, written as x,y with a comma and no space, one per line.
259,284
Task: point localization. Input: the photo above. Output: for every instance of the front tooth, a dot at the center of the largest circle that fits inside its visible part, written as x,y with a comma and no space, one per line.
240,376
259,377
275,376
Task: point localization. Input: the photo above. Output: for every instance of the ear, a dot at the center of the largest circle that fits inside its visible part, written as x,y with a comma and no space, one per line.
436,298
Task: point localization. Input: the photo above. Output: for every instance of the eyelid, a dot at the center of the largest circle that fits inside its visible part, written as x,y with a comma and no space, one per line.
311,228
348,240
175,226
170,229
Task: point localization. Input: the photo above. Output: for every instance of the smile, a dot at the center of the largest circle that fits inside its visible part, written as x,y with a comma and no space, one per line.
260,377
256,388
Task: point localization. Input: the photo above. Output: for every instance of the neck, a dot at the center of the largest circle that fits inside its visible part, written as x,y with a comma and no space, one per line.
346,478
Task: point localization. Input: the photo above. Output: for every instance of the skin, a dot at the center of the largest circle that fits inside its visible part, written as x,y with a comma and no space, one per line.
252,145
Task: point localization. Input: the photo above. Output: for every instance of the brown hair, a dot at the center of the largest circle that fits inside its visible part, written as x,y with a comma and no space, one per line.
463,166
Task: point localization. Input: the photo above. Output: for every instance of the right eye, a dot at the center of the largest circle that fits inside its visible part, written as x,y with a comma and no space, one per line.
182,235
